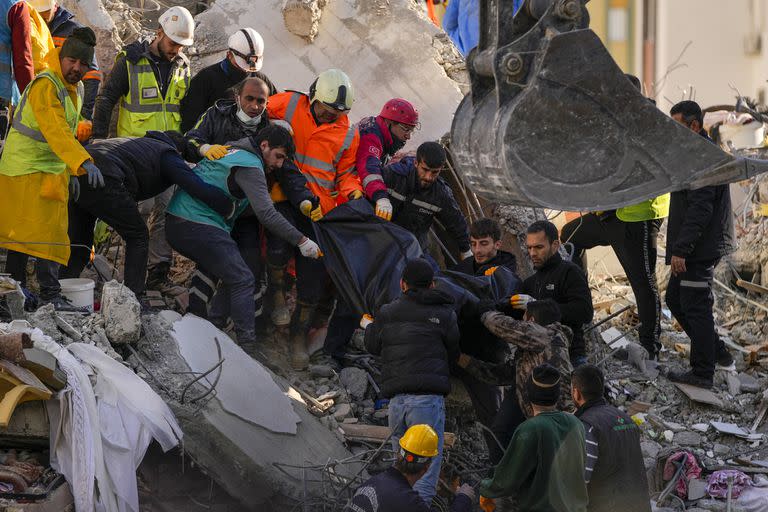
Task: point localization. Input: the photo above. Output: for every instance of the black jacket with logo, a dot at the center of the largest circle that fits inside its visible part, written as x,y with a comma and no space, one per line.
618,480
566,284
416,208
417,336
502,259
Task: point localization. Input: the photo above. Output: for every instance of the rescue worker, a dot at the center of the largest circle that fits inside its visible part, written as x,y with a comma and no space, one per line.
326,148
485,244
392,490
41,171
555,278
134,169
539,338
380,138
543,466
615,472
61,23
16,66
245,57
632,232
230,120
203,236
150,79
419,196
699,234
417,336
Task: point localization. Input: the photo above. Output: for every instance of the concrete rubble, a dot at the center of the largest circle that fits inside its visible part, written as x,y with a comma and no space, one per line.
122,313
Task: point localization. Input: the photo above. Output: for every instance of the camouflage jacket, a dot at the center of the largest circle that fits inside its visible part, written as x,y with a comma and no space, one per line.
535,345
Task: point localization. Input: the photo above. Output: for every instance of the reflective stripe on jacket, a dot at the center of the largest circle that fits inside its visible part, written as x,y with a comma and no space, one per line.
325,153
143,108
656,208
27,150
216,173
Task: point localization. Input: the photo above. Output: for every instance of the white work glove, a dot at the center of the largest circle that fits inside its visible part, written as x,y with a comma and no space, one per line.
467,490
520,301
365,321
384,208
95,178
466,255
310,249
74,188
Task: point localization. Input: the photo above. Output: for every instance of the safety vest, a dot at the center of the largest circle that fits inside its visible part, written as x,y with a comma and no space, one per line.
26,148
216,173
9,91
656,208
318,148
143,108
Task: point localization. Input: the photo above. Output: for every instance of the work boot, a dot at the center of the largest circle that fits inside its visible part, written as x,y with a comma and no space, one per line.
64,304
300,324
688,377
725,360
280,315
157,276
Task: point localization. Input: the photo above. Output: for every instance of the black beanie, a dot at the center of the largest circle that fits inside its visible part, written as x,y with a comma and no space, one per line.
544,385
418,273
80,45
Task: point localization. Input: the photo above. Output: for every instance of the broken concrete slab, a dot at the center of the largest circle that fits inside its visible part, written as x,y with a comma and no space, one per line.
243,386
302,17
355,381
686,438
700,395
122,313
240,456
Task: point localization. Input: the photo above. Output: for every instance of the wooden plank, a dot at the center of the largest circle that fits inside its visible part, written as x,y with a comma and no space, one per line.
377,433
752,287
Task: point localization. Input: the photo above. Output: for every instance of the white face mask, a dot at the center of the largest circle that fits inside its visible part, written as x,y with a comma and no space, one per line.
245,118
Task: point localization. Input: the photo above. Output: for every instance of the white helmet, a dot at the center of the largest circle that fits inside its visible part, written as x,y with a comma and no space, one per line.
247,46
42,5
333,88
177,23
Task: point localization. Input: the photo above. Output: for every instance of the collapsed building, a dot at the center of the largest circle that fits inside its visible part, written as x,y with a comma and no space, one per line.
249,434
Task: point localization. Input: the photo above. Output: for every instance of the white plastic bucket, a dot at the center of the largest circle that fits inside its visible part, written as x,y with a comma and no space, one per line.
78,291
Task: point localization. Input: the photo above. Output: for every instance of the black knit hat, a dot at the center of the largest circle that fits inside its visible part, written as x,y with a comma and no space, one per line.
544,385
418,273
80,45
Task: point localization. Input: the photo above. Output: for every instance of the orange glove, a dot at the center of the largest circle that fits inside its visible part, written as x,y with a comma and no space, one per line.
487,504
489,271
84,130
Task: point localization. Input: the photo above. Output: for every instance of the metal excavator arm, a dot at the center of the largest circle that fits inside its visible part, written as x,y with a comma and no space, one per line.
552,121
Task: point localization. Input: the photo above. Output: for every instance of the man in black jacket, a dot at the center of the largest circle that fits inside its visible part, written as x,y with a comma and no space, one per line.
134,170
420,196
699,233
417,337
615,472
485,243
560,280
392,490
245,57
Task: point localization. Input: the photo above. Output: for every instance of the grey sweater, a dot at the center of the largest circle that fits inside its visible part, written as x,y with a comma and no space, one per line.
253,183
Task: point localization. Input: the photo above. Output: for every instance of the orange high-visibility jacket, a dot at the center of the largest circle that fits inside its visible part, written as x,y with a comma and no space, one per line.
325,153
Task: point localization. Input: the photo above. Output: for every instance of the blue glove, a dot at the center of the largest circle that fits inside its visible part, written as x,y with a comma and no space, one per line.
74,188
95,178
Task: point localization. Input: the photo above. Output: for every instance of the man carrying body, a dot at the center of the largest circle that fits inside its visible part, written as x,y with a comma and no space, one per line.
543,466
560,280
392,490
41,162
699,233
149,80
245,57
417,337
326,147
615,472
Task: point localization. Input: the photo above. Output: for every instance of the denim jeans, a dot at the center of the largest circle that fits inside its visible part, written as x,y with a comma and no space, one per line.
408,410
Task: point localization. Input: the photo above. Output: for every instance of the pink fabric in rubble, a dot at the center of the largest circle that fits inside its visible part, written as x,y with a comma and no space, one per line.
717,483
691,470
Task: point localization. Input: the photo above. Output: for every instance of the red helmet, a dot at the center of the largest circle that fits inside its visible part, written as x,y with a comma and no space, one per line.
400,111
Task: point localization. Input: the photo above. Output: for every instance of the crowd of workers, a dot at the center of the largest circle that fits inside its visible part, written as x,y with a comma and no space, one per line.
225,165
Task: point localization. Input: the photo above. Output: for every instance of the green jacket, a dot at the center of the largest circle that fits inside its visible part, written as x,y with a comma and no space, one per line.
650,209
543,467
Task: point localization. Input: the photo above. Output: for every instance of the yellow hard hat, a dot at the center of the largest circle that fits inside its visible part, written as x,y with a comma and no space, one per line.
420,440
333,88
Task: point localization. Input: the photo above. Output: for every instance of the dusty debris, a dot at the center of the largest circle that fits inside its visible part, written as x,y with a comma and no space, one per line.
302,17
122,313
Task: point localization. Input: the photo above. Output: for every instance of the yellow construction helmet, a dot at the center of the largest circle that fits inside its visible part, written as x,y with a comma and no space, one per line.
419,441
333,88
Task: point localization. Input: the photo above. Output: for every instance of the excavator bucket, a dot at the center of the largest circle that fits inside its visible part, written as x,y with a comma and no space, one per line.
552,121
